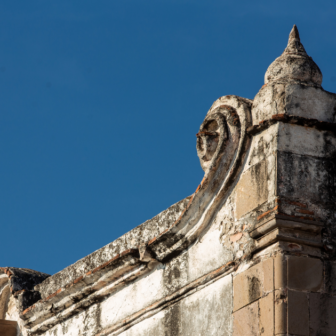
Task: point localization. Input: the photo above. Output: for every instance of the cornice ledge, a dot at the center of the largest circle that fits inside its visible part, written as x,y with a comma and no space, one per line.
294,120
294,234
92,287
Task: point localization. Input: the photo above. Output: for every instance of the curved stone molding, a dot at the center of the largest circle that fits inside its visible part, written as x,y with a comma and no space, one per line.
254,243
211,139
4,295
221,144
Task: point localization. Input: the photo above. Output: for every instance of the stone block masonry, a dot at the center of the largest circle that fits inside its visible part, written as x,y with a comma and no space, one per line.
281,296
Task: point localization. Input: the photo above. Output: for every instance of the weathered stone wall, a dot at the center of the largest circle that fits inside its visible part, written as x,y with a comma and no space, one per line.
168,292
251,252
172,291
132,239
285,295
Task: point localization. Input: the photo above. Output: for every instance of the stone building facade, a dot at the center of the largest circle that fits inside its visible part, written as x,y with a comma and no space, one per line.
251,252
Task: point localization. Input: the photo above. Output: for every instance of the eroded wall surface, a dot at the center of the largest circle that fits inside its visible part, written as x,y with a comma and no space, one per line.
251,252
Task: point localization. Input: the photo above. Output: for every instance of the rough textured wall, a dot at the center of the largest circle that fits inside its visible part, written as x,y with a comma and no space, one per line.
184,317
251,252
178,280
206,312
284,294
15,281
190,281
132,239
172,289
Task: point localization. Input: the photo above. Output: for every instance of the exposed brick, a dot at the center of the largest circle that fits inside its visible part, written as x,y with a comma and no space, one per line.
267,212
235,237
302,205
298,217
78,279
304,211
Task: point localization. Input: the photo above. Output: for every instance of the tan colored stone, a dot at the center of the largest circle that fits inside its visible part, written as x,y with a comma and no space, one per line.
280,271
3,280
4,297
280,312
247,287
266,315
252,284
251,189
299,248
236,237
305,273
268,283
298,313
246,321
8,328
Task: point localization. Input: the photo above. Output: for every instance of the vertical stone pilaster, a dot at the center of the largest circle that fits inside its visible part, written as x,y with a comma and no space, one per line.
282,295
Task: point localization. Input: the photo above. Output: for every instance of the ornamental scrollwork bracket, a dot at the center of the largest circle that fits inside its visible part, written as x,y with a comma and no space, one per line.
222,143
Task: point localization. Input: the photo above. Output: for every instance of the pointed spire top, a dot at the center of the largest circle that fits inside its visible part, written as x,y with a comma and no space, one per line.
294,63
294,34
294,45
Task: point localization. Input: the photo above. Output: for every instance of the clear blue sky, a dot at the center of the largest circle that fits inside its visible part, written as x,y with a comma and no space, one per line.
101,100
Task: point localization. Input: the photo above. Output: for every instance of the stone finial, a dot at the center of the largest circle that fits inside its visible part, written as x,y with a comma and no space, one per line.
294,34
293,87
294,64
294,45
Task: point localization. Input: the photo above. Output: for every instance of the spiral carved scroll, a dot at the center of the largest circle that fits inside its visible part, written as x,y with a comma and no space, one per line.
221,146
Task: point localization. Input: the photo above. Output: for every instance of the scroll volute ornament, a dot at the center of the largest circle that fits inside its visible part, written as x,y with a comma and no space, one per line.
221,146
211,139
219,135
